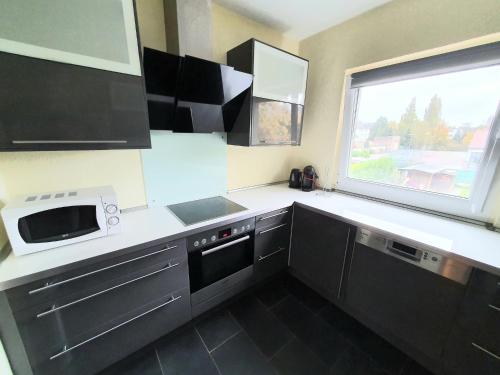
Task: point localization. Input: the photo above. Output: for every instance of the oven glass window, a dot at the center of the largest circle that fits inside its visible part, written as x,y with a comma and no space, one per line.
58,224
207,269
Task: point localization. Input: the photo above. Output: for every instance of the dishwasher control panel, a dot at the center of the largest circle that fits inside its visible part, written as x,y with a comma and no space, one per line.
420,257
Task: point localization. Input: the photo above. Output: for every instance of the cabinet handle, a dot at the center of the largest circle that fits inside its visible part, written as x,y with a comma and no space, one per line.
271,216
65,142
271,254
68,349
270,229
485,351
49,285
494,307
54,308
343,262
220,247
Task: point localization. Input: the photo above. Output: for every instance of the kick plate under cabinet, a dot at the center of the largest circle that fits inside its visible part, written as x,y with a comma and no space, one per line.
426,259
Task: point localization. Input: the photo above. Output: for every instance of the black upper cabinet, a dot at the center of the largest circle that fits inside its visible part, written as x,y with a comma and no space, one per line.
192,95
273,109
82,90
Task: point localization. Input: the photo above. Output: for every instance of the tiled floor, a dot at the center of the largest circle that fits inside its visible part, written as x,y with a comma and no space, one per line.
282,328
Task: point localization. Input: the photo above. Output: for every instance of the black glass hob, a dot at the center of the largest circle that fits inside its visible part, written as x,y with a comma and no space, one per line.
193,212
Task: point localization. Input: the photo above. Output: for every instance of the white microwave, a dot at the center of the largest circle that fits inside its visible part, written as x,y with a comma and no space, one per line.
44,221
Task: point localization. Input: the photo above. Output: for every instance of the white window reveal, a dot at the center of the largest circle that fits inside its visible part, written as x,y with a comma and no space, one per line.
425,133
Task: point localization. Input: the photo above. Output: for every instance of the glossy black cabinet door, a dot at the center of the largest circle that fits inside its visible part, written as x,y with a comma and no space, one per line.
474,345
46,105
318,251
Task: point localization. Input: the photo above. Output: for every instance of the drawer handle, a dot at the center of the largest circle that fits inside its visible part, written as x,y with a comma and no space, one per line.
55,308
62,142
271,216
485,351
494,307
280,249
68,349
51,285
273,228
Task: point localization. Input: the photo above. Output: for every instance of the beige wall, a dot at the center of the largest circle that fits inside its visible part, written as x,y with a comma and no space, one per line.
249,166
397,28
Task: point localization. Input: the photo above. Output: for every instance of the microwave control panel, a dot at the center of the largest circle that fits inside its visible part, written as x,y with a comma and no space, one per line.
220,234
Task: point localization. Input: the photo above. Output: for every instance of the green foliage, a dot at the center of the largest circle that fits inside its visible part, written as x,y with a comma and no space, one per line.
382,170
361,153
381,128
429,133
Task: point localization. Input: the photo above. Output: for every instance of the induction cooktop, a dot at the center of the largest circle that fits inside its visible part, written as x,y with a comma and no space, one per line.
193,212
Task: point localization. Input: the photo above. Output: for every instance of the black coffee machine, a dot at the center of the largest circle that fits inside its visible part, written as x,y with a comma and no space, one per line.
309,177
305,180
295,180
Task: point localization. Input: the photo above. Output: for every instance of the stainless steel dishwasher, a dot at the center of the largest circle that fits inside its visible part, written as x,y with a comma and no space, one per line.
411,294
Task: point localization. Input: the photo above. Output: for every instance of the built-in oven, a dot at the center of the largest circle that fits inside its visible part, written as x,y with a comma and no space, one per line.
220,262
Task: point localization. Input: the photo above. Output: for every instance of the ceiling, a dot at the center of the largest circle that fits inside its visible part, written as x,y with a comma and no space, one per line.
300,18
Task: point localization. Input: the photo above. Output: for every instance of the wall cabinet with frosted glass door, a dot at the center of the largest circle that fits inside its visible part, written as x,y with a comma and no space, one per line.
273,107
71,76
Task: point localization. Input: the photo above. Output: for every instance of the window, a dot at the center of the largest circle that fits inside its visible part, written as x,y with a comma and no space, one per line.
424,132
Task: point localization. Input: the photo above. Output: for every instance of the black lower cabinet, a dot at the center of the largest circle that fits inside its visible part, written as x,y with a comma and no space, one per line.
474,345
318,251
81,321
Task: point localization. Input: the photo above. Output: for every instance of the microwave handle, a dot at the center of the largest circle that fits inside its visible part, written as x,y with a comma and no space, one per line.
223,246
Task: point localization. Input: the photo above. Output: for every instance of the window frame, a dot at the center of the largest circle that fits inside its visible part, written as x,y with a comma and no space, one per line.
476,207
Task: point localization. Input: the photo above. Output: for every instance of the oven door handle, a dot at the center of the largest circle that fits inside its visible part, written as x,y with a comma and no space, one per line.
223,246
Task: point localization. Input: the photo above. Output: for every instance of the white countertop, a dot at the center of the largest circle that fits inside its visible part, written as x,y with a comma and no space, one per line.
471,244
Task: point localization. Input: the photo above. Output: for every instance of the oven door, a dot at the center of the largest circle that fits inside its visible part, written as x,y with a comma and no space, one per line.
214,263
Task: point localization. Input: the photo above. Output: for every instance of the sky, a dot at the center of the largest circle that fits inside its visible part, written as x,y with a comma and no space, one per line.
467,97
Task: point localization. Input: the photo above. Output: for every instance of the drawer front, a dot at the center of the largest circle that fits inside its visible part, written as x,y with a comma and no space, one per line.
273,218
272,239
97,350
47,326
464,356
271,264
91,277
480,313
271,250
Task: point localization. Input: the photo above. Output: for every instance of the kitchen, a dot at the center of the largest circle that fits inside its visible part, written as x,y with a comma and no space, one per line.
151,222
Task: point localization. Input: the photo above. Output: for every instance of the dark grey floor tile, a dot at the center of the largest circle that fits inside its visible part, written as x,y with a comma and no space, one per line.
413,368
306,295
312,330
273,292
268,333
240,356
183,353
296,359
384,354
143,362
355,362
217,327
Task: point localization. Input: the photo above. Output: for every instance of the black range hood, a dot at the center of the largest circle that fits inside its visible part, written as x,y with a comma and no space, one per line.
192,95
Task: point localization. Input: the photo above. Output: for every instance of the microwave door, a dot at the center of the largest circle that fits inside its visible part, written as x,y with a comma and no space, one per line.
58,224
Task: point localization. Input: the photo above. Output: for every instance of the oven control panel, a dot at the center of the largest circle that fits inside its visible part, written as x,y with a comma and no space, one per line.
220,234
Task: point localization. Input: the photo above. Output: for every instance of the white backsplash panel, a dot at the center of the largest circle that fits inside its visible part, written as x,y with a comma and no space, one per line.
182,167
